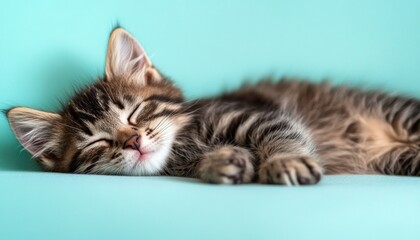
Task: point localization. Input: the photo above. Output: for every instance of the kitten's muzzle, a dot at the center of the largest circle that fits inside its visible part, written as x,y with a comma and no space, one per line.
132,142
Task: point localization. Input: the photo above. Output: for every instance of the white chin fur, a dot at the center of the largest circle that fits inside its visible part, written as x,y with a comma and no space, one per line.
150,166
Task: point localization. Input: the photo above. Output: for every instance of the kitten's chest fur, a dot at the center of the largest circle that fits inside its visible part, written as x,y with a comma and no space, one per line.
348,126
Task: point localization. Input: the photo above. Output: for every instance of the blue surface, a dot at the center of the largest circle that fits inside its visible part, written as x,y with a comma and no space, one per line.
48,47
64,206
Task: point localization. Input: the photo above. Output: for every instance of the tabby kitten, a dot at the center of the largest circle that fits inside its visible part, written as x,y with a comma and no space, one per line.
135,121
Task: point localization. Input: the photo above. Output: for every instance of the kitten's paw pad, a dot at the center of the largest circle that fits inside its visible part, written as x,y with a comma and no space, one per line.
229,165
290,171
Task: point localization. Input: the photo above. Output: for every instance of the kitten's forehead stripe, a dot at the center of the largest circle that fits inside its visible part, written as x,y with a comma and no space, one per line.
119,104
76,117
128,98
164,98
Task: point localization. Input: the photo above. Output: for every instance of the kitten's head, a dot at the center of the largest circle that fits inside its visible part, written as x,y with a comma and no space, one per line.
122,124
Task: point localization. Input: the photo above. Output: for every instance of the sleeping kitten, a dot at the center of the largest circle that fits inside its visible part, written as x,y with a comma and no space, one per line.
135,121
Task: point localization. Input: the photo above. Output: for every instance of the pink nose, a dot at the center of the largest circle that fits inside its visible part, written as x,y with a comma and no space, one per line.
132,142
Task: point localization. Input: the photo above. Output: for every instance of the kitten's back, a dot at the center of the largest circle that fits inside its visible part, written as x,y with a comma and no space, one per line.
352,128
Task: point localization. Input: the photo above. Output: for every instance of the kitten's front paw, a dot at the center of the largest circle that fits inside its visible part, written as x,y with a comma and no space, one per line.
290,170
229,165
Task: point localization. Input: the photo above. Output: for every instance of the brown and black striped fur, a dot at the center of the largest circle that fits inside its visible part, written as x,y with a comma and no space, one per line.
136,122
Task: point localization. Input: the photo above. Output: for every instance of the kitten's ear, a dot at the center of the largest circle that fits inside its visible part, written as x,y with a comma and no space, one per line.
126,60
35,131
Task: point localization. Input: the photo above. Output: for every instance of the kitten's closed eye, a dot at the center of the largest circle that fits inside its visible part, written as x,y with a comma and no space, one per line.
103,142
132,117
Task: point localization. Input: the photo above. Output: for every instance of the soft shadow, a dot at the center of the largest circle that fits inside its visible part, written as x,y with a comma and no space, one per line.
183,179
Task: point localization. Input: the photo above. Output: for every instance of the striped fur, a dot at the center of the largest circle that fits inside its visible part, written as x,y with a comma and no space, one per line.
280,132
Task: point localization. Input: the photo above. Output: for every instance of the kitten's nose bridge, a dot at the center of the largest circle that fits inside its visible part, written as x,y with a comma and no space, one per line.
132,143
128,137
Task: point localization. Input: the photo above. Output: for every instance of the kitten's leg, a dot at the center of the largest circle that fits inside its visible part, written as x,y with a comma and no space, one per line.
286,153
404,161
403,154
227,164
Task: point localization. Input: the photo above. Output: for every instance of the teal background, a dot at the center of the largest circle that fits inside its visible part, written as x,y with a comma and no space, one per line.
49,47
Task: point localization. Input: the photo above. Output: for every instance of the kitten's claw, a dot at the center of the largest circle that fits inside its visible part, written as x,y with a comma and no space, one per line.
291,170
229,165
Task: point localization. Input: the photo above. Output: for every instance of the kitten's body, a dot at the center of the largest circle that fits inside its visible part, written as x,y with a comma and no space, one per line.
353,131
136,122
